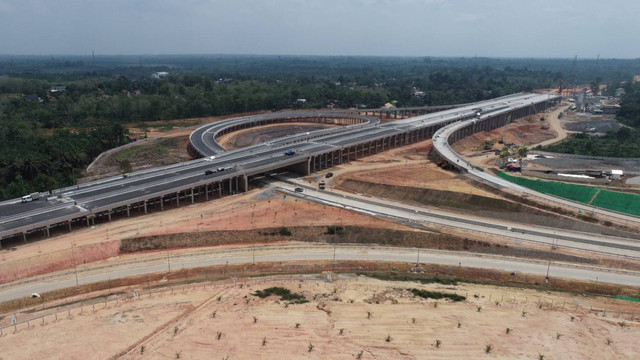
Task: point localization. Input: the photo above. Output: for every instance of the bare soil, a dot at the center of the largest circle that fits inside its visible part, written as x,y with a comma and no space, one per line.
343,318
406,166
252,136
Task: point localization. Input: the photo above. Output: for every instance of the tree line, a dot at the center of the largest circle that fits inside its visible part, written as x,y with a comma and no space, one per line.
47,139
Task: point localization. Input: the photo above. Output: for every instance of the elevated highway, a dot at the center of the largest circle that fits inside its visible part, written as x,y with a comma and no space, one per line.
450,134
219,173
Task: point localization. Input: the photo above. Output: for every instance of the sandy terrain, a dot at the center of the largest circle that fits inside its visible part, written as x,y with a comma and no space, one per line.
222,321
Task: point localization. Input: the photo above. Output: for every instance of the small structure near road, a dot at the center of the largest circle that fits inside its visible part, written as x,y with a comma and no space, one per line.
513,167
615,174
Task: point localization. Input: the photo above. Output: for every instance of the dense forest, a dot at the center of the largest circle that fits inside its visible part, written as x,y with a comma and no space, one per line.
622,143
47,138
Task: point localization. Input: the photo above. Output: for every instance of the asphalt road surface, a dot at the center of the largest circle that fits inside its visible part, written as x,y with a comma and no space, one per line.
161,263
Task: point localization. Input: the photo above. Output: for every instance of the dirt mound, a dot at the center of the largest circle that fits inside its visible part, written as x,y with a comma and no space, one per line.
439,198
475,205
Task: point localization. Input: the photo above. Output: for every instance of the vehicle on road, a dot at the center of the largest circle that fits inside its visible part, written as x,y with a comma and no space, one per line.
220,168
209,172
289,152
31,197
321,185
299,189
329,174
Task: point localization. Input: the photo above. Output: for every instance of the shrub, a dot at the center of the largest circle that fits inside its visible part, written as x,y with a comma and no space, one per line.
284,231
436,295
285,295
333,229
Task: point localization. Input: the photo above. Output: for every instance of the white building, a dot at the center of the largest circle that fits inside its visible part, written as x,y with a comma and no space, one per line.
159,75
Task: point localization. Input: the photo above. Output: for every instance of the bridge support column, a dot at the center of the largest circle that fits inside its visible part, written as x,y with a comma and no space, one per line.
192,200
69,225
46,229
128,211
24,237
178,198
88,221
244,183
206,192
145,206
162,203
109,213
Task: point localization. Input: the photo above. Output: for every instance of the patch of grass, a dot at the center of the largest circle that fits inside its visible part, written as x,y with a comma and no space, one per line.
333,229
285,295
577,193
423,280
436,295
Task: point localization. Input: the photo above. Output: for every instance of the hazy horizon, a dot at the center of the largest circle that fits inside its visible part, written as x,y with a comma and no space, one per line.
404,28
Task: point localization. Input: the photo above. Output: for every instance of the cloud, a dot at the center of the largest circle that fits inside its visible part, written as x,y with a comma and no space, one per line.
470,17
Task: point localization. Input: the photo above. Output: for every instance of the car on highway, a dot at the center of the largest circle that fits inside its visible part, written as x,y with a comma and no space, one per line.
289,152
220,168
209,172
299,189
329,174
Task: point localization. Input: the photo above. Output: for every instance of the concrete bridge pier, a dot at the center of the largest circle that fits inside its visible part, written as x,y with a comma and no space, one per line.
302,168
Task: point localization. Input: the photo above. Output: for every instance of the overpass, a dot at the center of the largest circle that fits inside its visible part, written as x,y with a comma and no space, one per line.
220,173
497,117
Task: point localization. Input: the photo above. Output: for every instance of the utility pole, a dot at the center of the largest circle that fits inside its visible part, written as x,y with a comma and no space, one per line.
75,269
168,256
334,252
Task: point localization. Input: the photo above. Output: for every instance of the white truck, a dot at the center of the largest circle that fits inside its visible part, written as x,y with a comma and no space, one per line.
31,197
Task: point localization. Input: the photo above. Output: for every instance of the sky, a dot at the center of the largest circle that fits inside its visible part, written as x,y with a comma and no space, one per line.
489,28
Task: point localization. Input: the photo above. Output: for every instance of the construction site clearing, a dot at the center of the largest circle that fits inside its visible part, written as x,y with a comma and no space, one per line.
334,315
